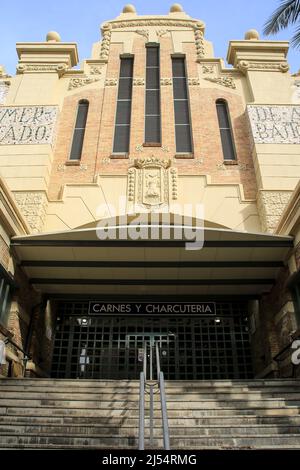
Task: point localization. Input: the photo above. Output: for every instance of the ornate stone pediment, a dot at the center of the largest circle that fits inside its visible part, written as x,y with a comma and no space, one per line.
152,184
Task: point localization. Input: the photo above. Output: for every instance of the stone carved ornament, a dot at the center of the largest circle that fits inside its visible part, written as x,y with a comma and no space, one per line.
79,82
223,81
244,66
152,183
111,82
157,22
166,81
105,44
60,68
138,82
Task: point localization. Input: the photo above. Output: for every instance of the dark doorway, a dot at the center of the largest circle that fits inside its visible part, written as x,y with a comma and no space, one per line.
199,348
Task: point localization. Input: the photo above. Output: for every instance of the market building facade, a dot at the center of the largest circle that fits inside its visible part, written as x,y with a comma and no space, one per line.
152,127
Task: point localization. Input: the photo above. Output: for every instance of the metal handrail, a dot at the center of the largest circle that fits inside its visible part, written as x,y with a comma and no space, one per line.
142,412
143,390
163,402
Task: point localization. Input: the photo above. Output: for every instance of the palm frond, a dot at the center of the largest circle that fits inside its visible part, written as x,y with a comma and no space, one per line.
287,13
296,38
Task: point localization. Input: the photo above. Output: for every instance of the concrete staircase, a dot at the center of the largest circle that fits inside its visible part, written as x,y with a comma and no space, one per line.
62,414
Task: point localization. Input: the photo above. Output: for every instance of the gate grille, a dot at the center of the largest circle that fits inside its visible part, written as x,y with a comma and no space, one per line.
202,348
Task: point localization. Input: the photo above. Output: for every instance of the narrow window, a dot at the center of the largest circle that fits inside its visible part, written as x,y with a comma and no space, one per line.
225,130
79,131
123,115
181,107
152,106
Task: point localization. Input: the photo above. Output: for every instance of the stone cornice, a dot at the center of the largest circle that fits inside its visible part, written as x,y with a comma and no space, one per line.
157,21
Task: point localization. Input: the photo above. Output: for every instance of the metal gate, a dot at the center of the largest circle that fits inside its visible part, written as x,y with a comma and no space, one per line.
200,348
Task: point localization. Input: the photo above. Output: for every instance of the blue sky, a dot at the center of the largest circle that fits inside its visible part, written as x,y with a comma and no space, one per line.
79,21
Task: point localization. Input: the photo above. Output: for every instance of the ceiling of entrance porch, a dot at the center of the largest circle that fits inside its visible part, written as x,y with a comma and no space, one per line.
77,262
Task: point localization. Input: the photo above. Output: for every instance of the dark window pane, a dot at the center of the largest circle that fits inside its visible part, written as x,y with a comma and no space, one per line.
152,79
152,102
123,112
183,139
178,67
182,112
121,141
179,89
227,144
126,68
82,115
152,57
152,129
77,144
223,115
125,89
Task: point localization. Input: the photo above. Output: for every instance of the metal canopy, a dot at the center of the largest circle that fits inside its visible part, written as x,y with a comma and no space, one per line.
77,262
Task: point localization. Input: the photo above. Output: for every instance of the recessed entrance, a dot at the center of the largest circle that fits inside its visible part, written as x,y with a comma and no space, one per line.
198,348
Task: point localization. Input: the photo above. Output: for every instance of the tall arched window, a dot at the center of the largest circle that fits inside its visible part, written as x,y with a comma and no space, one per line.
225,130
79,131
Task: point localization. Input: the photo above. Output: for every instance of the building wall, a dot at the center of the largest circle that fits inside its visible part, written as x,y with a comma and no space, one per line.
37,116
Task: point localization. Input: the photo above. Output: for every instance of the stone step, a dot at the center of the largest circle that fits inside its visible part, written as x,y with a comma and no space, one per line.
182,442
99,431
227,392
121,402
173,421
134,395
114,397
135,383
133,412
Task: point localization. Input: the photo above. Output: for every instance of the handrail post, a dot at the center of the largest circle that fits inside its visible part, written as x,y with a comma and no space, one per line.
157,362
164,411
142,413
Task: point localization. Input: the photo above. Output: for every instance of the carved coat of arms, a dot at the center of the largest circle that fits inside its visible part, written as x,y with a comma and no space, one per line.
152,183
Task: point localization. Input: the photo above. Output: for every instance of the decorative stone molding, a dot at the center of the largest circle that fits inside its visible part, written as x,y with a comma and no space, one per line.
143,32
199,41
166,81
152,183
162,32
275,124
27,124
42,68
3,92
165,149
271,205
105,44
193,81
80,82
111,82
63,167
157,22
33,206
139,148
138,81
245,65
208,69
237,166
95,70
174,183
223,81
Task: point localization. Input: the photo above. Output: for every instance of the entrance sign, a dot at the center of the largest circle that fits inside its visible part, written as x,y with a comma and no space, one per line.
152,308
